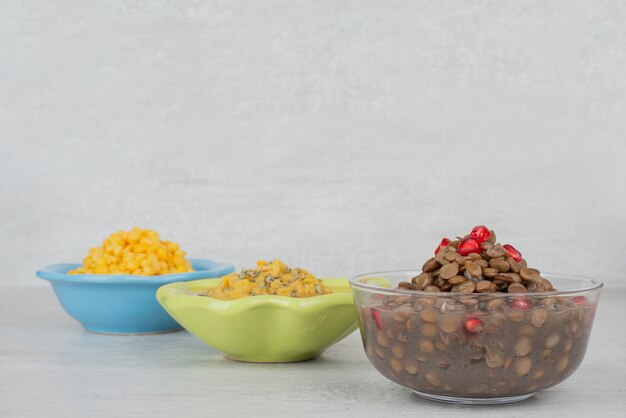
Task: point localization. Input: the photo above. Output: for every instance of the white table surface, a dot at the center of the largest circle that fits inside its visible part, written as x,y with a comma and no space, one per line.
51,367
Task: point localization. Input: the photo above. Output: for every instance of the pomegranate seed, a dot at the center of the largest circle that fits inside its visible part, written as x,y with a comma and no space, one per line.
473,325
481,233
377,318
444,243
521,304
580,300
516,255
469,245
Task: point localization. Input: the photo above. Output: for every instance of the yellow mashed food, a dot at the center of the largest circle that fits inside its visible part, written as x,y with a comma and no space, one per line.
273,278
139,252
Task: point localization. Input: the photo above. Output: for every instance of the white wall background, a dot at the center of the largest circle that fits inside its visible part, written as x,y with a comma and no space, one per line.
342,136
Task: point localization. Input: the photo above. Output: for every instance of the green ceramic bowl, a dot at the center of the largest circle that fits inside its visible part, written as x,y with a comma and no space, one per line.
263,329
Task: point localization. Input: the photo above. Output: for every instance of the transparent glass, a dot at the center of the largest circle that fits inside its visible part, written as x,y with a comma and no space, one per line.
477,348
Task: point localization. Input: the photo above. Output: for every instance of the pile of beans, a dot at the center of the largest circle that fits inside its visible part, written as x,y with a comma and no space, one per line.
477,264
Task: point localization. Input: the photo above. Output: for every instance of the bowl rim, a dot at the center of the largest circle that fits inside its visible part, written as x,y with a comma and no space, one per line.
176,290
57,273
596,285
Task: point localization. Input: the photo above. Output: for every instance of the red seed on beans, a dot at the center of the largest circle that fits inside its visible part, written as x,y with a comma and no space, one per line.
468,246
516,255
444,243
481,233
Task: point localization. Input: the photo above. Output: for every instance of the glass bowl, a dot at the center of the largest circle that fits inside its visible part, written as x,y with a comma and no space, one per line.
476,348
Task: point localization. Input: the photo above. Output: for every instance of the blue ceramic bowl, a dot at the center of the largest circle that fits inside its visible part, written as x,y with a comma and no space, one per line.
121,304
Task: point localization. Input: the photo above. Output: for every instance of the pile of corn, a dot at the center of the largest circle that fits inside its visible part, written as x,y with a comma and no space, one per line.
273,278
138,252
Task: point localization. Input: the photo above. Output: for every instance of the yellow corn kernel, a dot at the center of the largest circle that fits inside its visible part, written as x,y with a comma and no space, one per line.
178,261
101,269
161,253
140,248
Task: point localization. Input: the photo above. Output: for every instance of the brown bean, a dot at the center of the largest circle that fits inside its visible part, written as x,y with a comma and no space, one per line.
562,364
490,272
509,277
547,284
404,285
451,256
430,265
429,330
530,275
539,317
548,302
538,374
552,340
515,315
567,346
406,310
461,260
496,251
494,304
398,350
517,288
469,301
381,352
522,346
396,365
492,237
500,265
467,287
423,280
432,289
426,301
522,366
473,269
445,287
456,280
429,315
441,258
410,366
515,266
448,271
433,378
449,324
485,286
426,346
382,339
482,263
